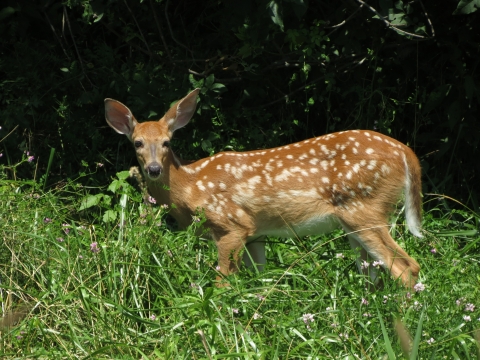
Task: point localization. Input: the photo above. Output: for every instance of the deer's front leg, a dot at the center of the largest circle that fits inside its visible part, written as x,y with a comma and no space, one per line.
254,255
230,247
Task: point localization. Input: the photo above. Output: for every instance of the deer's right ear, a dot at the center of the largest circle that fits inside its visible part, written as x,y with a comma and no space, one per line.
119,117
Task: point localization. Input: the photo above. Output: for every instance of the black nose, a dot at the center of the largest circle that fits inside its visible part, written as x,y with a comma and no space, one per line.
154,169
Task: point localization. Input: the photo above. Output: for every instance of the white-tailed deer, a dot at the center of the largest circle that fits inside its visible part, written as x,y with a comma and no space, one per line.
351,179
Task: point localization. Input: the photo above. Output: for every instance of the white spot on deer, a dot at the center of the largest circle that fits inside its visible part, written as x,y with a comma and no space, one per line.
385,169
227,167
356,168
269,179
252,182
229,216
313,161
325,149
324,164
351,138
363,162
352,193
279,163
344,156
297,145
263,152
396,153
332,162
333,153
376,176
188,170
200,185
210,207
372,164
340,175
366,133
219,167
355,150
289,156
312,151
268,167
322,190
188,191
303,157
376,137
325,180
272,150
314,170
222,185
349,175
347,162
211,185
237,172
283,176
240,213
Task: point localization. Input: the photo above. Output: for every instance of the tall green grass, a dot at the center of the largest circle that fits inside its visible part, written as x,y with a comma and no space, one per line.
99,273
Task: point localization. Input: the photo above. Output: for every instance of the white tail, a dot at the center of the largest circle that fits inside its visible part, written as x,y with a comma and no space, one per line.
351,179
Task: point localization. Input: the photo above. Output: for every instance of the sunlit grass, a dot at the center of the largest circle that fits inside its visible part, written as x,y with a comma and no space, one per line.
114,281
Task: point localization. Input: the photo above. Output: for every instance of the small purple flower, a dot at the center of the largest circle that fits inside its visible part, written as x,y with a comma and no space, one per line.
60,239
433,251
257,316
409,296
469,307
99,165
94,247
260,297
1,154
164,206
196,218
364,301
151,200
31,158
364,265
47,220
153,317
80,256
235,310
367,315
459,301
419,287
217,267
377,263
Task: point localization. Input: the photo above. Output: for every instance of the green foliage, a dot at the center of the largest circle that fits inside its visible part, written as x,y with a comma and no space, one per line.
271,72
132,288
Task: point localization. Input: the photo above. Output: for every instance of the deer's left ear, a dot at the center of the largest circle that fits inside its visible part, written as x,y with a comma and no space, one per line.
119,117
180,114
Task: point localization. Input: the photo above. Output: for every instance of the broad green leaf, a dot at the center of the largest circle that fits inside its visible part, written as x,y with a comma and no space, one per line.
89,201
465,7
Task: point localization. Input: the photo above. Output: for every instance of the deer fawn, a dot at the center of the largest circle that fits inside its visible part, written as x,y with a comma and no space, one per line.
351,179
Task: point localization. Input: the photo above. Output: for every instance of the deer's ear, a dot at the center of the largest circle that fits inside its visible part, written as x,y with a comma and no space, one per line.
119,117
180,114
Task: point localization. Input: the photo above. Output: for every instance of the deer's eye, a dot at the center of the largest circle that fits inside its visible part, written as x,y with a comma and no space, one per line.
138,144
166,143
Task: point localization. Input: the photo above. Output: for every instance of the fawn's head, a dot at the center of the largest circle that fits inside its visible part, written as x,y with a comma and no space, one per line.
151,139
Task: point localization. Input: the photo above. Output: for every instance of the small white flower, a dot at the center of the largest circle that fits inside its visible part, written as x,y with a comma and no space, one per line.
257,316
419,287
430,341
467,318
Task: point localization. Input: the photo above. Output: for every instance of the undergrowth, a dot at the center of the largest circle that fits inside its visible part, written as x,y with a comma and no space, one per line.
106,276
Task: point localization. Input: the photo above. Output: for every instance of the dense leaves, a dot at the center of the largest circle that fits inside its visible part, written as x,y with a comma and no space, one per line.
271,72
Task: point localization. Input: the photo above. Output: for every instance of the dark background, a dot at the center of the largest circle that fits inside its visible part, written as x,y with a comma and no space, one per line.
271,72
